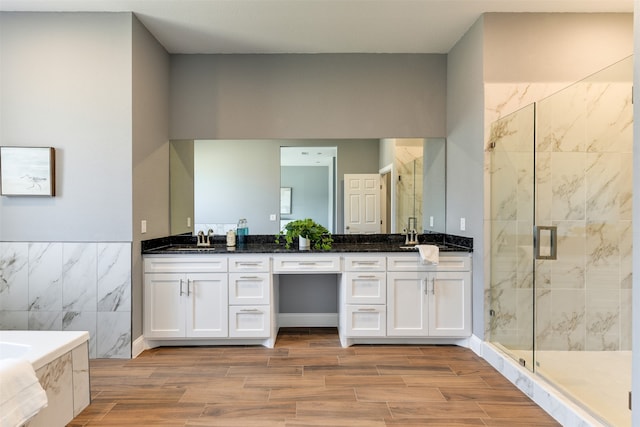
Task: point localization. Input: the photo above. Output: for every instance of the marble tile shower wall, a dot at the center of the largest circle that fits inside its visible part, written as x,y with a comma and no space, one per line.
409,165
584,187
66,286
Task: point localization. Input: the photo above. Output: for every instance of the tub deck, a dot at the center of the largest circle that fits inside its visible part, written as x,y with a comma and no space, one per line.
61,362
45,346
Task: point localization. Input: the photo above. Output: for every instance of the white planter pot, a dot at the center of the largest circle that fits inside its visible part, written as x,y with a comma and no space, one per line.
303,243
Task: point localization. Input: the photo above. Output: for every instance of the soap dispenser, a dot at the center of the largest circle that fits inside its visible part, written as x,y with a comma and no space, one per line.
242,231
231,239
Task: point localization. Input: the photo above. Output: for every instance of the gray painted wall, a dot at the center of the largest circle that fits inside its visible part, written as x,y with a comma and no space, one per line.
465,130
553,47
150,150
309,192
66,83
181,169
434,185
307,96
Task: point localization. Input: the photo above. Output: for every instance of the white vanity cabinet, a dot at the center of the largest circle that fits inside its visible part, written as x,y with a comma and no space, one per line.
428,300
249,296
185,296
364,292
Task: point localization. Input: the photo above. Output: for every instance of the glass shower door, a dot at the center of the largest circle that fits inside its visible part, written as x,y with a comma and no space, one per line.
511,310
584,150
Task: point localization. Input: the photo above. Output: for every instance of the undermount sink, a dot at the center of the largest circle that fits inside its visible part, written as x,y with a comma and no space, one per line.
193,248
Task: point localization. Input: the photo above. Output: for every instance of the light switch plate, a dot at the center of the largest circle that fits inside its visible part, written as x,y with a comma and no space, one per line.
272,217
143,226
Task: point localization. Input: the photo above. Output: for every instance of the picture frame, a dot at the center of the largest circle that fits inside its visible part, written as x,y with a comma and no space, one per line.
27,171
285,200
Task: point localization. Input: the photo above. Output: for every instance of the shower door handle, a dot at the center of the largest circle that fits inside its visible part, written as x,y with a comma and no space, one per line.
549,234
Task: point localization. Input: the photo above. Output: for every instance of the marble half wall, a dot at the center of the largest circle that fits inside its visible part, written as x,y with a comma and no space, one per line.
69,286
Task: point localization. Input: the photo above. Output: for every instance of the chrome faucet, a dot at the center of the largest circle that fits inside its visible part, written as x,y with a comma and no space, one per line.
411,237
205,239
411,233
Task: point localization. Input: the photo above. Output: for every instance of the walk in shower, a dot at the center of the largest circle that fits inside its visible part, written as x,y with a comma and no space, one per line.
559,298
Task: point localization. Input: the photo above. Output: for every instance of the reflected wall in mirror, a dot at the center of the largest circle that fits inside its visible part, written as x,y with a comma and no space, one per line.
214,183
310,173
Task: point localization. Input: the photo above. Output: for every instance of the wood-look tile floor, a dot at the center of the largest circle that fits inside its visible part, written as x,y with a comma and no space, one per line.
306,380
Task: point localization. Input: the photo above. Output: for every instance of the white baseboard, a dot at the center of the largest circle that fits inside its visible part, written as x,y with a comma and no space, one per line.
476,345
137,347
317,320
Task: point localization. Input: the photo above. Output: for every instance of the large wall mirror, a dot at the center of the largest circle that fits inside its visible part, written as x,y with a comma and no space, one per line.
214,183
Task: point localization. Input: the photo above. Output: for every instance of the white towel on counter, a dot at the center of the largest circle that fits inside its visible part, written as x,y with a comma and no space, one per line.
21,395
429,254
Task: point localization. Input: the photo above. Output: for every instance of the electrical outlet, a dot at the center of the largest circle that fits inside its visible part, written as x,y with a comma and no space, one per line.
143,226
430,221
188,221
272,217
463,224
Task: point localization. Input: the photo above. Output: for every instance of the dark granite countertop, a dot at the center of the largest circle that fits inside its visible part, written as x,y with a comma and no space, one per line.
342,243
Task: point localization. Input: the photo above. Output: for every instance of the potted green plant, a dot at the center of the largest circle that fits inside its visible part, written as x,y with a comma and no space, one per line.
319,237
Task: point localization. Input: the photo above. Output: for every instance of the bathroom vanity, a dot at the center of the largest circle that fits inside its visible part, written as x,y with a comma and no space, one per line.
385,294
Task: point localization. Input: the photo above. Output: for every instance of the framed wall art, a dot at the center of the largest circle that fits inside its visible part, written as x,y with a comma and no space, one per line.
285,200
27,171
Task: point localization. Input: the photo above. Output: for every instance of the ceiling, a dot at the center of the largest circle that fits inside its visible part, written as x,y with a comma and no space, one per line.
312,26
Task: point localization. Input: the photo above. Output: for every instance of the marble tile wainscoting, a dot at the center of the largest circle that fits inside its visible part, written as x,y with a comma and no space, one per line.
69,286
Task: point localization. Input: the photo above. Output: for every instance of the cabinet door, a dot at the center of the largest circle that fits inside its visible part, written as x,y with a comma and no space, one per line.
164,305
207,305
366,320
249,321
450,304
407,304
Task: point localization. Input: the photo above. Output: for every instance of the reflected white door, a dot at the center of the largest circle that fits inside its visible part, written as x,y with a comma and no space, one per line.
361,203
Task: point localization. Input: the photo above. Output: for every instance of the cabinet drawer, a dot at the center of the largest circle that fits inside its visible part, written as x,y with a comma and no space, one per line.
365,263
366,287
412,262
185,264
249,321
307,264
366,320
249,288
238,264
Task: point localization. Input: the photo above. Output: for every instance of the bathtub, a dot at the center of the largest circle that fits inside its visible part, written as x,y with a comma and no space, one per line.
61,362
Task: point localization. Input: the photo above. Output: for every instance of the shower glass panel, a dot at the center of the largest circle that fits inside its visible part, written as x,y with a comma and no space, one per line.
560,289
410,166
583,187
511,287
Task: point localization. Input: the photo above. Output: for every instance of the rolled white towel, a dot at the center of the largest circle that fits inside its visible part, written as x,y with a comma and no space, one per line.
21,395
429,254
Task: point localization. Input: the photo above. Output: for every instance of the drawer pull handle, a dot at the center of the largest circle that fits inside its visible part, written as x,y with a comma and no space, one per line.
365,262
249,277
369,276
251,310
181,291
307,263
367,309
249,264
